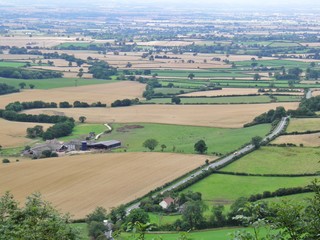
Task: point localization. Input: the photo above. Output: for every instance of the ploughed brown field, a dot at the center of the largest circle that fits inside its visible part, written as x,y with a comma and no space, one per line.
13,134
78,184
226,116
105,93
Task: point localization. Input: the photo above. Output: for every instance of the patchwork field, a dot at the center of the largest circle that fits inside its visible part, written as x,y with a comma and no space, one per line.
303,125
77,184
105,93
309,140
226,116
13,134
278,160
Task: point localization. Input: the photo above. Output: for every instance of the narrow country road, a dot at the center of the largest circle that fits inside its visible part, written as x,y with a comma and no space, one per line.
222,161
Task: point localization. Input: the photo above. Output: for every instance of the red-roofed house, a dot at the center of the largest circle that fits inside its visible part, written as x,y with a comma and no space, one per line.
166,202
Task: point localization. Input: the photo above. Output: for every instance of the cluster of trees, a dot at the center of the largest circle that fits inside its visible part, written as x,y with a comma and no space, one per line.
268,117
102,70
17,50
37,219
67,57
6,89
151,84
60,129
9,72
125,102
78,104
19,106
288,220
35,131
41,118
279,193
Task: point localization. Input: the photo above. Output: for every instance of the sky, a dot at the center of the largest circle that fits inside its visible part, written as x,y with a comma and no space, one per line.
305,4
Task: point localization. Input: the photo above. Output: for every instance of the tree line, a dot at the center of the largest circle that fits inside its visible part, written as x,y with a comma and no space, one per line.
6,89
19,73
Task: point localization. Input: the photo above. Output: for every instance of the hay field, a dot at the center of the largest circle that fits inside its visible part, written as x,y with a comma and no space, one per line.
223,92
78,184
308,140
13,134
225,116
35,41
105,93
303,124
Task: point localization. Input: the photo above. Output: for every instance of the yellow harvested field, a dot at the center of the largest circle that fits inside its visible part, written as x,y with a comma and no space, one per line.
308,140
303,125
35,41
25,58
315,92
105,93
223,92
226,116
78,184
13,134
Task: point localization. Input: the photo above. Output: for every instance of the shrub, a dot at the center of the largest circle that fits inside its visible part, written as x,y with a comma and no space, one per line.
5,160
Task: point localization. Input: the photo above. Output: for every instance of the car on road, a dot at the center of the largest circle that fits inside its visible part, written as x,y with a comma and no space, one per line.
235,153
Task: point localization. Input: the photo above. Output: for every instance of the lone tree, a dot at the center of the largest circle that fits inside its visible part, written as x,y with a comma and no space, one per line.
80,73
22,85
256,141
200,147
191,76
82,119
175,100
256,77
163,146
150,143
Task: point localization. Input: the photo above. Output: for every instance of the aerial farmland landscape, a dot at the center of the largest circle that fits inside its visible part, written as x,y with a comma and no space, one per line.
159,120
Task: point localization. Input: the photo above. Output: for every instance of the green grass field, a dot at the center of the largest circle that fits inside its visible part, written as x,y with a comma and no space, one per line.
173,90
75,44
227,100
284,44
303,124
12,64
274,63
54,82
184,137
161,219
219,188
278,160
200,73
83,130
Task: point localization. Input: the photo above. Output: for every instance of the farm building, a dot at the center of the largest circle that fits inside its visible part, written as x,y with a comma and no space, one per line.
166,202
52,145
101,145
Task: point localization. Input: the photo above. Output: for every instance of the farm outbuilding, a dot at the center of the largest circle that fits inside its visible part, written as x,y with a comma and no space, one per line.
105,144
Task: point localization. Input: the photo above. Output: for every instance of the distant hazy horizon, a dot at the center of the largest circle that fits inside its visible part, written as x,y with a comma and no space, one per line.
244,4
